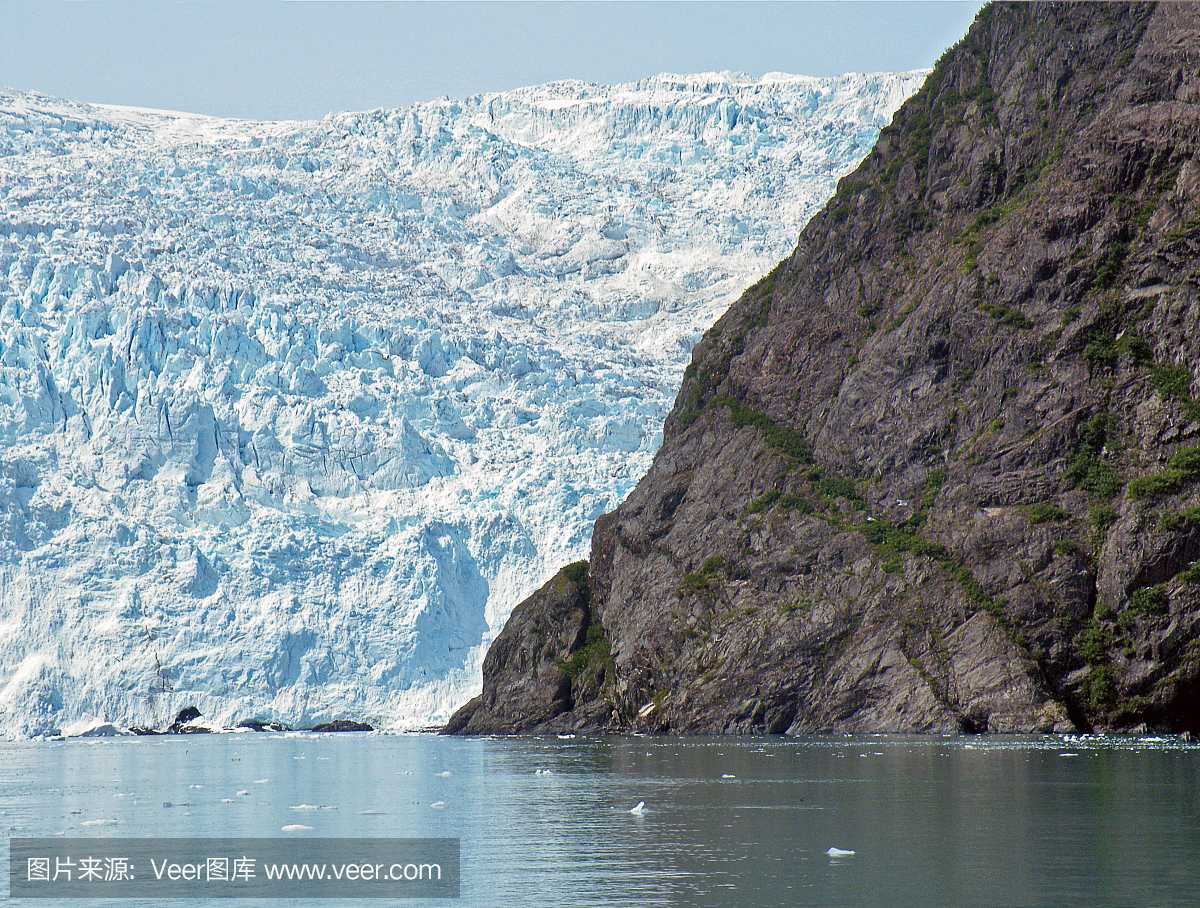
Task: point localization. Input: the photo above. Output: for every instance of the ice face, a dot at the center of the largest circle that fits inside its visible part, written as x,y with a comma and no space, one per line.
293,414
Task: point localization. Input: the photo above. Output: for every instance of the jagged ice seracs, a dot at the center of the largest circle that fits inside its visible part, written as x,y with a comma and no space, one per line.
293,414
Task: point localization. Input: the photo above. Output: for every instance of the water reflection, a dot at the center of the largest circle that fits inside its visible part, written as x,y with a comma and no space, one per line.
949,821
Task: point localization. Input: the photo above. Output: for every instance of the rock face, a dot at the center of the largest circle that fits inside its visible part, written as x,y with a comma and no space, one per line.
539,665
939,469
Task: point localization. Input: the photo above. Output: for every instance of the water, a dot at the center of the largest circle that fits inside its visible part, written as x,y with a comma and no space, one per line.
745,822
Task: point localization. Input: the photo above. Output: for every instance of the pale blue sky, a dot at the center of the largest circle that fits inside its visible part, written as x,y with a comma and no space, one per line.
275,60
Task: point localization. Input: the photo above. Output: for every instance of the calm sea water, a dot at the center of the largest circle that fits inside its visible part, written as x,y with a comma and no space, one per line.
744,822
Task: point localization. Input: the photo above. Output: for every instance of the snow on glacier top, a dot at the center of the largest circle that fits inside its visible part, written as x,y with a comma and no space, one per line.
292,414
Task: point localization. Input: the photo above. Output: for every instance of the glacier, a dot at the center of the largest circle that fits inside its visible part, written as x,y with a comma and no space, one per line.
292,414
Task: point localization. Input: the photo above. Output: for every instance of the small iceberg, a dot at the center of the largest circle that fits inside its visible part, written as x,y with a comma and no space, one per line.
295,827
305,807
639,809
92,728
728,775
438,805
98,823
838,852
443,775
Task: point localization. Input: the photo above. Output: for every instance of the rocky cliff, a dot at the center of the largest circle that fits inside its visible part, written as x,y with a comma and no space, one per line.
938,470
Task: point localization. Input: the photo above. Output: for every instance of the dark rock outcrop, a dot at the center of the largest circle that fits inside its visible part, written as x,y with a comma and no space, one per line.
180,725
342,725
940,470
540,663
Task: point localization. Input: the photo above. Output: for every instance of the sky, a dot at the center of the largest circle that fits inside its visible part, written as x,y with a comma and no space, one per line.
300,60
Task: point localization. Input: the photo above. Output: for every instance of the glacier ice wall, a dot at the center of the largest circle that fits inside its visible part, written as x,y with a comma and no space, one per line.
293,414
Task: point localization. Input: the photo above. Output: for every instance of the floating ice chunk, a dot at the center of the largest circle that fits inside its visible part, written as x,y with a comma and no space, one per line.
838,852
226,800
304,807
98,823
195,787
438,805
295,827
443,775
261,781
92,728
728,775
372,813
1069,755
639,809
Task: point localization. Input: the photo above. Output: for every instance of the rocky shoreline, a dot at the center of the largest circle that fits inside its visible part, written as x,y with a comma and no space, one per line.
189,721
